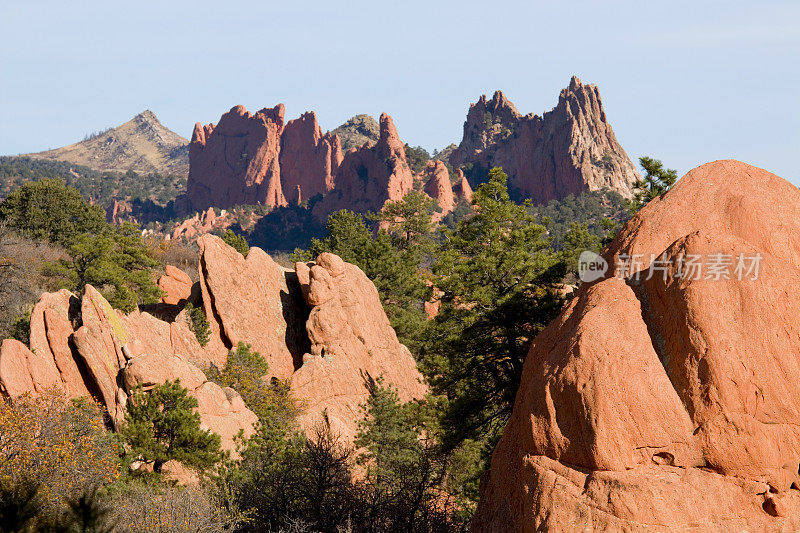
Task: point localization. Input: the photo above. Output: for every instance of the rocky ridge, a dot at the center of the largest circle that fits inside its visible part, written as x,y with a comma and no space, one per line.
668,402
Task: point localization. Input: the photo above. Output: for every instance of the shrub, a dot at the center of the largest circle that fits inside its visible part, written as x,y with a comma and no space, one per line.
198,323
52,449
237,242
245,371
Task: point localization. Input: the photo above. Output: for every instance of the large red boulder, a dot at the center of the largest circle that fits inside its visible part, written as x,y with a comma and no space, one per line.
666,398
253,300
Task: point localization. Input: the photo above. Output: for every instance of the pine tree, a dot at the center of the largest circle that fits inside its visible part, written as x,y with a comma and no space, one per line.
656,181
162,425
497,271
237,242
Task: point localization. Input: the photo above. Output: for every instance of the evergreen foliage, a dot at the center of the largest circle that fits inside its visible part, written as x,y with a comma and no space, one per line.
497,272
237,242
162,425
656,181
245,371
116,262
49,210
198,323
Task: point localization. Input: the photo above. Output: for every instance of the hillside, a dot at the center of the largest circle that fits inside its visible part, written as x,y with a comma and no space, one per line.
100,187
142,144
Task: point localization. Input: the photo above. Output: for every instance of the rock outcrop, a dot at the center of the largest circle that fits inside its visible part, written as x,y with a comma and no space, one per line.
438,186
665,397
371,175
176,284
109,355
142,144
257,159
308,159
321,326
568,150
348,330
236,161
253,300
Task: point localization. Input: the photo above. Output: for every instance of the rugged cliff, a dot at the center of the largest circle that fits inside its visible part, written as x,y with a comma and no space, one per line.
568,150
321,325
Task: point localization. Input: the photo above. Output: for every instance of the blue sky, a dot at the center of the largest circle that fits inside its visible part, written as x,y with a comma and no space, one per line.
684,81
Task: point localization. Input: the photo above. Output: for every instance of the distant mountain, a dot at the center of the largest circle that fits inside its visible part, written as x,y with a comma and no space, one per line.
142,144
357,131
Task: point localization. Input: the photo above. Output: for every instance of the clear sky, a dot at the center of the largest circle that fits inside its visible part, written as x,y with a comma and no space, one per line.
684,81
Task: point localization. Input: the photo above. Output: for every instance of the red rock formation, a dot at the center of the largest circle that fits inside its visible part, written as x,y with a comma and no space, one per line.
255,301
568,150
352,344
371,175
176,284
119,212
308,159
462,189
330,347
438,186
255,159
236,161
668,403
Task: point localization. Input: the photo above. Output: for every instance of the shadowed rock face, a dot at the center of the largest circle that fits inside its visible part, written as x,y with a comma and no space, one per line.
668,403
371,175
568,150
322,326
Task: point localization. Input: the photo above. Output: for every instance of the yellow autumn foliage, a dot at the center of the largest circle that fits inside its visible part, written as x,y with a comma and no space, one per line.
61,445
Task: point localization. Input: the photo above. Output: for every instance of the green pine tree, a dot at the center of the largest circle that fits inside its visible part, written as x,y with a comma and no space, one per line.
497,271
50,210
656,181
237,242
162,425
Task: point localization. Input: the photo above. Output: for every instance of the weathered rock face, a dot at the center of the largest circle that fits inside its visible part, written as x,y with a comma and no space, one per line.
462,189
568,150
112,353
668,403
255,301
308,159
371,175
236,161
352,344
176,284
256,159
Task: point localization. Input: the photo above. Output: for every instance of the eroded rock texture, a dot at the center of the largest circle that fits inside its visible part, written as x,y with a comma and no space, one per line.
568,150
670,403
